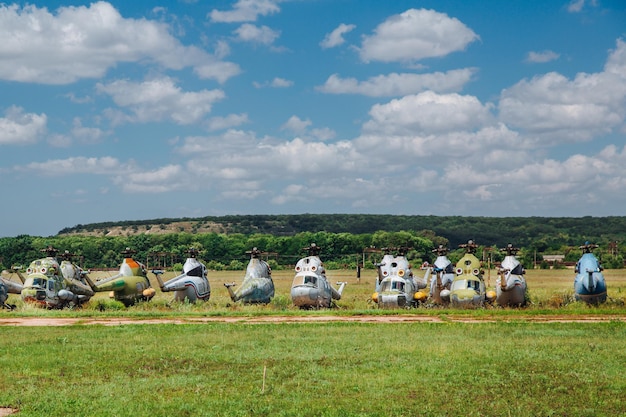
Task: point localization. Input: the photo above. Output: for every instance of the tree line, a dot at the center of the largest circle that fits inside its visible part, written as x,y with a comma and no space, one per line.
339,250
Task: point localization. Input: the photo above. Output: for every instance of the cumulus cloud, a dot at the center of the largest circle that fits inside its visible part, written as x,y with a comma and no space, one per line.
160,99
428,113
414,35
556,109
232,120
296,124
19,128
399,84
256,34
78,165
335,38
85,41
160,180
245,11
277,82
542,57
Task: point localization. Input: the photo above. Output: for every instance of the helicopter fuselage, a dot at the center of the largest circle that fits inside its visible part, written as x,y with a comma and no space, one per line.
310,287
589,284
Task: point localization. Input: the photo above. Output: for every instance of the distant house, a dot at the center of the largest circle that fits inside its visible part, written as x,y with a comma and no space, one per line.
554,258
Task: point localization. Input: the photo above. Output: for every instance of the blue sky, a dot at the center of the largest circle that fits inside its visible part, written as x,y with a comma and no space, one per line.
138,110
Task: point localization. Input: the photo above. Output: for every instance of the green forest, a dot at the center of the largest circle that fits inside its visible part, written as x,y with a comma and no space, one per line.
346,240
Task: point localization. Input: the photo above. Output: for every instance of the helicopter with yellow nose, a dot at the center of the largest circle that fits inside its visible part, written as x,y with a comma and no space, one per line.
130,285
468,287
396,287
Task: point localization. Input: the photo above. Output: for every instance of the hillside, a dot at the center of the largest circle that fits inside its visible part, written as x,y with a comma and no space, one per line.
523,231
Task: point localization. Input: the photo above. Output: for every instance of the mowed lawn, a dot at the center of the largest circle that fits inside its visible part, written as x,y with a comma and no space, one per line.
515,368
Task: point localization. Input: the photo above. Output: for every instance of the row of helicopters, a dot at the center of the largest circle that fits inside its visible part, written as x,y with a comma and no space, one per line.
56,285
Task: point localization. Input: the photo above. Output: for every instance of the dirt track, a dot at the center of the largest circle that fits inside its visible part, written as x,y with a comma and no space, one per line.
408,318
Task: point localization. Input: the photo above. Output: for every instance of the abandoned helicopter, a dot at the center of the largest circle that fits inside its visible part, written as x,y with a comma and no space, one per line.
589,284
52,285
130,285
468,287
444,274
511,284
396,287
8,287
192,284
310,287
257,286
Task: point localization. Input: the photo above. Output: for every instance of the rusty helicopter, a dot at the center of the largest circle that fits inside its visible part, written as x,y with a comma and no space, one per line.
7,286
50,284
192,284
589,284
511,284
396,286
128,286
468,286
310,288
257,286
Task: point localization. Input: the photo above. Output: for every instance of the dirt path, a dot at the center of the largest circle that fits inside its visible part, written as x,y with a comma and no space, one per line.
408,318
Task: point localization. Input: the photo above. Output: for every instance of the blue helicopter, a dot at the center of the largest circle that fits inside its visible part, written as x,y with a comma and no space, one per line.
589,284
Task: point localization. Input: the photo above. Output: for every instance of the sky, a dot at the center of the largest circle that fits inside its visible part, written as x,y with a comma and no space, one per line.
139,110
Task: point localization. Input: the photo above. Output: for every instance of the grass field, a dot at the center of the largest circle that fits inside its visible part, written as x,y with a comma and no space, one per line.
512,366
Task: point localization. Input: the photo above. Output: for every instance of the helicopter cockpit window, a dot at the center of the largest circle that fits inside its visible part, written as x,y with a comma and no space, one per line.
473,285
311,280
392,286
460,284
50,285
40,282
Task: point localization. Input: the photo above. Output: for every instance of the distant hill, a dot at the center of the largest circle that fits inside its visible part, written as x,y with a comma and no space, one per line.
522,231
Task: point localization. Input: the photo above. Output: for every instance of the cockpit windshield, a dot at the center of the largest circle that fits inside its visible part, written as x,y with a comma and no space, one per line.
310,280
462,284
36,282
394,285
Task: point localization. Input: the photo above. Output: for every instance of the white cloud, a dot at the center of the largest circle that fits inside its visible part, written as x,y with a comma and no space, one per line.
78,165
576,6
160,180
555,109
277,82
19,128
296,125
414,35
245,11
399,84
256,34
84,42
232,120
335,38
428,113
542,57
160,99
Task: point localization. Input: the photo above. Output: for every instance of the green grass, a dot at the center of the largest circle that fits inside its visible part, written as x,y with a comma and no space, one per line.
334,369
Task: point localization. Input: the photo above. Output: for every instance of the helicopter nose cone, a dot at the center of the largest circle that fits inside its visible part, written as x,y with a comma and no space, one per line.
33,295
391,300
303,296
465,298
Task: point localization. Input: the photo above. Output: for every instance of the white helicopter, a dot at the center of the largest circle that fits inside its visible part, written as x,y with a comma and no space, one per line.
52,285
511,284
396,287
444,275
192,284
257,286
310,287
